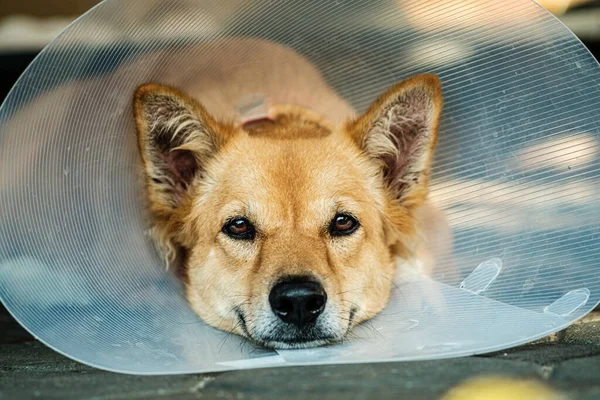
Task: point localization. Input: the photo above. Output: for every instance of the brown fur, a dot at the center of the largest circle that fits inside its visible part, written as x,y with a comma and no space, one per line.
289,176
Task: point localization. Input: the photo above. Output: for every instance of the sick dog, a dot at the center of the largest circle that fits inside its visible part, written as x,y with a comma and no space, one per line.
289,230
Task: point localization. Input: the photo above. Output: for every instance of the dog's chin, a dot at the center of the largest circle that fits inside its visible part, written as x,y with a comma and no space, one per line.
298,342
270,333
289,345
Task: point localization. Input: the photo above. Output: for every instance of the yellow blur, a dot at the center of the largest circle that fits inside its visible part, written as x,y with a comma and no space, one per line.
502,388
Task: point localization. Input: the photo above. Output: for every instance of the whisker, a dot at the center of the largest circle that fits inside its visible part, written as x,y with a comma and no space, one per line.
228,334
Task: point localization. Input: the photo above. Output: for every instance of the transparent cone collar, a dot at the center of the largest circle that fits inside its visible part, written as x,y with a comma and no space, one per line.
515,172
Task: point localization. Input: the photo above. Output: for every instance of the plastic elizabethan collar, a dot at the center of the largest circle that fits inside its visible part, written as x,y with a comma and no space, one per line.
516,171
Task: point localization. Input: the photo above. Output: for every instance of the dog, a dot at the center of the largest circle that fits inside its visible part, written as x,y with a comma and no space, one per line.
289,230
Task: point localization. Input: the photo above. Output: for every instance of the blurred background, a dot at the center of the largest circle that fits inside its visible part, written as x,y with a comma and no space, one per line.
26,26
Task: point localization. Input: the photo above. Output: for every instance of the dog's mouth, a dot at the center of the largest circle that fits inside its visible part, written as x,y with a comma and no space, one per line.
281,336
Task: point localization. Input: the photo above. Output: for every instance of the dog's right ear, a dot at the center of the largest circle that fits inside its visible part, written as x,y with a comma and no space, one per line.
176,137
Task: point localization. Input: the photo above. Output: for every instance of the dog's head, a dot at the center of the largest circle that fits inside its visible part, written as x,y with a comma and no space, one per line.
288,229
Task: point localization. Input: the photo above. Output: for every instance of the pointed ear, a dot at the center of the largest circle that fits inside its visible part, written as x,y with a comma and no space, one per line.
399,131
176,137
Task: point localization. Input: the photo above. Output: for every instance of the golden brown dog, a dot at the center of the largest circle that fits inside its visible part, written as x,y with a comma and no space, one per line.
289,229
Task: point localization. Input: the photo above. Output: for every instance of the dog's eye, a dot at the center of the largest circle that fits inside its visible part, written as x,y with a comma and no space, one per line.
343,224
239,228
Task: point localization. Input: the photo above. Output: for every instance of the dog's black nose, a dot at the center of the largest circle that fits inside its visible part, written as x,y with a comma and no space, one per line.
298,302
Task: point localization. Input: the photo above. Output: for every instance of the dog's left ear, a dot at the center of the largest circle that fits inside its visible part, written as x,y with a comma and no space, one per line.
399,131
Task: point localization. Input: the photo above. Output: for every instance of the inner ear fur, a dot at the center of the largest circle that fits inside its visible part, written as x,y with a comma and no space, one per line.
176,137
399,132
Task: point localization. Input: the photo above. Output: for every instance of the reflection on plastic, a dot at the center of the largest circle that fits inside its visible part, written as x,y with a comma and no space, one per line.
569,303
483,276
251,107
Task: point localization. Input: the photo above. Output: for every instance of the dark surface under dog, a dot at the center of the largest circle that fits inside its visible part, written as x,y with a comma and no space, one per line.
569,361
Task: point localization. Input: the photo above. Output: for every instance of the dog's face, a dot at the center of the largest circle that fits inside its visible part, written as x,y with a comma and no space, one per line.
288,229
